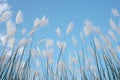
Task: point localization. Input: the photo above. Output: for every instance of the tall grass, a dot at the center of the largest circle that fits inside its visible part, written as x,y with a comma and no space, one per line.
106,66
91,64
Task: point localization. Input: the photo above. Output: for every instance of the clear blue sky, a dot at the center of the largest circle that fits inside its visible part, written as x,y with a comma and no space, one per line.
61,12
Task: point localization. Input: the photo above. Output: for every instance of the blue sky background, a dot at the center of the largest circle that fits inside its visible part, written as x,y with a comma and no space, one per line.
60,13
